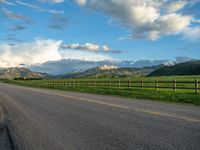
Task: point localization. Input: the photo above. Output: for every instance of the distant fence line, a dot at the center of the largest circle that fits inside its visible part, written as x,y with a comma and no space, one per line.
128,84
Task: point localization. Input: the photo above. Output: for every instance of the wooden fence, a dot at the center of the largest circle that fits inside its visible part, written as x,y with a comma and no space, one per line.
173,85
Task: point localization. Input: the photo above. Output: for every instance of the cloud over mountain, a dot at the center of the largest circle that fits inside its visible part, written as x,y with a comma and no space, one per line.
38,51
42,50
90,47
75,65
86,46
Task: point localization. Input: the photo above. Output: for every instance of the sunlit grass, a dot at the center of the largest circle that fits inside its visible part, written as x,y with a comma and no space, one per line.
111,86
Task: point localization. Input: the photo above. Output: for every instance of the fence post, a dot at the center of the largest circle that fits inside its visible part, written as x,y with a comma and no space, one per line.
142,84
110,83
119,84
156,84
95,83
196,86
102,84
174,85
128,83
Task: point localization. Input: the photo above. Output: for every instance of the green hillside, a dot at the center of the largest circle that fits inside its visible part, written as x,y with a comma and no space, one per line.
112,73
187,68
15,73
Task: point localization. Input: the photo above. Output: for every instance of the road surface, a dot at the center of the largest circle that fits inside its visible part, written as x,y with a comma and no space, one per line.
40,119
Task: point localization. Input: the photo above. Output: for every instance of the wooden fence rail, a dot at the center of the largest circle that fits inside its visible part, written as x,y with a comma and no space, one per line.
174,85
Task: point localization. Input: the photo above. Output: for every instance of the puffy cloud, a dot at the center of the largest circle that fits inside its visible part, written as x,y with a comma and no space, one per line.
90,47
38,51
42,50
106,48
170,24
86,46
146,18
173,7
192,34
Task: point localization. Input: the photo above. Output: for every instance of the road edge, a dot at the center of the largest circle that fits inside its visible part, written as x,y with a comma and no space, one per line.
4,127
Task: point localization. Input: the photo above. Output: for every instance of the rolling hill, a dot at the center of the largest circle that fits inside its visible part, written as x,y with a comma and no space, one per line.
116,72
11,73
187,68
68,66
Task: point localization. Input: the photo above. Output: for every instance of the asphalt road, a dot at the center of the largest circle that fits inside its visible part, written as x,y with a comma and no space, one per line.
39,119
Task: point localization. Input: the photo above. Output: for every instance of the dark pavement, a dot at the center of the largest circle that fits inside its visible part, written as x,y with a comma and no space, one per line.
40,119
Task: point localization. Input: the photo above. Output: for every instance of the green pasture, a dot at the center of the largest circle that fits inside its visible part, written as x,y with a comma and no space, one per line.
127,87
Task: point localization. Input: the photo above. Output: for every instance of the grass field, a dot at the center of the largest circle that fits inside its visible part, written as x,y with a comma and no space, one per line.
128,87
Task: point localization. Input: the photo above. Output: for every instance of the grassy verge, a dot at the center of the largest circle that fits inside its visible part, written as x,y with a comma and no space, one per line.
151,94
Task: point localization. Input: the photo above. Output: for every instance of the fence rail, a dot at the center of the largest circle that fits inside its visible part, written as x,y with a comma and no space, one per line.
173,85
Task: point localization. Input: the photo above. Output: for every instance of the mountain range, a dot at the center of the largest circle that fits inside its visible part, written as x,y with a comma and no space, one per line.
10,73
97,72
78,68
68,66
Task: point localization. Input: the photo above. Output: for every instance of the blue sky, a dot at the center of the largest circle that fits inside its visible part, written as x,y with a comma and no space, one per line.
40,30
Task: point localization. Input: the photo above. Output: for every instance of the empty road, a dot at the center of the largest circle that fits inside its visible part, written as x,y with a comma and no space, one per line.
40,119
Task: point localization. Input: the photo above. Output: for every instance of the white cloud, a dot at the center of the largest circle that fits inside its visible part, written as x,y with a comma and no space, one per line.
15,16
85,55
146,18
173,7
86,46
81,2
192,34
6,2
53,1
106,48
38,51
171,24
39,8
42,50
91,47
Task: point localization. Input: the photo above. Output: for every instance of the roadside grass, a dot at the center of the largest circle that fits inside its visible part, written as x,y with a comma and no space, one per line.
166,95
